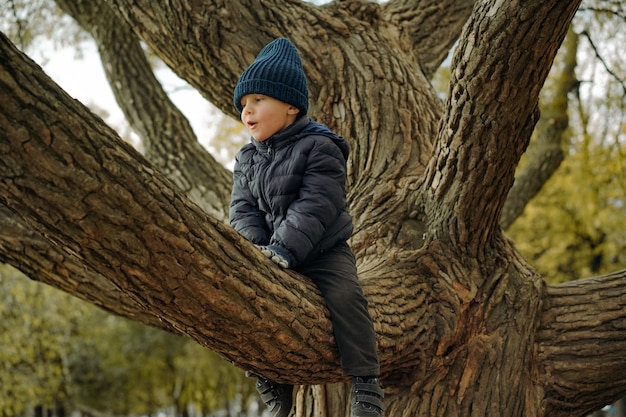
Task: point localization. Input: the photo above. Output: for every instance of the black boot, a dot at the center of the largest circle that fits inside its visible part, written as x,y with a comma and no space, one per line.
367,397
277,397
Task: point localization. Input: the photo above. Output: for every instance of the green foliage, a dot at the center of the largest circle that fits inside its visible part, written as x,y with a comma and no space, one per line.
36,330
575,227
58,350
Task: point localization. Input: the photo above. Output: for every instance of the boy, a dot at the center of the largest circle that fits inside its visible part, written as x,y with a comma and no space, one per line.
289,199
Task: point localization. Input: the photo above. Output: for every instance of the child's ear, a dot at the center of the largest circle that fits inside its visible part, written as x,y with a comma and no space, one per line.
293,110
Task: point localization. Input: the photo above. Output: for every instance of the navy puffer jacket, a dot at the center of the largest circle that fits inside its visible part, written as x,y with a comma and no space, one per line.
289,190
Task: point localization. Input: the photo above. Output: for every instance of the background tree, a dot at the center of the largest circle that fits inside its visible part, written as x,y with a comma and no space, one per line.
36,334
61,353
457,309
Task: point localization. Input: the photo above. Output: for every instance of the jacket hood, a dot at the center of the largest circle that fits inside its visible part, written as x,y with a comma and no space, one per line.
315,128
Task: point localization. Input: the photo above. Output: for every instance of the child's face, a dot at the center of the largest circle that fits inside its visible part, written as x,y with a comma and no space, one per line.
264,116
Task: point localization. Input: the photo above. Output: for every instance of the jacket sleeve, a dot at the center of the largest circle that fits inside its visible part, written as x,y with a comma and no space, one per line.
320,203
245,215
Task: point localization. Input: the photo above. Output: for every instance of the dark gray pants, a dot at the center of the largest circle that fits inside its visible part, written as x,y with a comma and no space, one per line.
334,272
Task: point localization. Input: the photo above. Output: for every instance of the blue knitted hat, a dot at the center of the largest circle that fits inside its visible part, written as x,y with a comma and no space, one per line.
276,72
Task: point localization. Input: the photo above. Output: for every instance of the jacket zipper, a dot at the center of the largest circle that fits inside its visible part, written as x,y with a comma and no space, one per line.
270,155
270,151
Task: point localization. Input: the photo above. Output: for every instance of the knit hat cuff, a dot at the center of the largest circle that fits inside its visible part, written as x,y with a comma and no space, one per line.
277,90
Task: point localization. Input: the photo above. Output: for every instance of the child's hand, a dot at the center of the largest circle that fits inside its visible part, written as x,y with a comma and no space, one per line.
277,254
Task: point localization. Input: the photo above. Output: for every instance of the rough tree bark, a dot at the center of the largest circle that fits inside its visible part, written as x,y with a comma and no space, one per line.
465,326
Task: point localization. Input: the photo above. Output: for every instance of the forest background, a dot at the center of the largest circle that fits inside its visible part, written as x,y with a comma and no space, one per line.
57,351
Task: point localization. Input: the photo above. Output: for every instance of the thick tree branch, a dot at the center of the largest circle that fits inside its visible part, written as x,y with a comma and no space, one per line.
36,256
492,110
581,343
428,29
545,153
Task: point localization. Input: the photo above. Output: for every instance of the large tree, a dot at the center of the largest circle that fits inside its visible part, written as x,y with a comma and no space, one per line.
465,326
